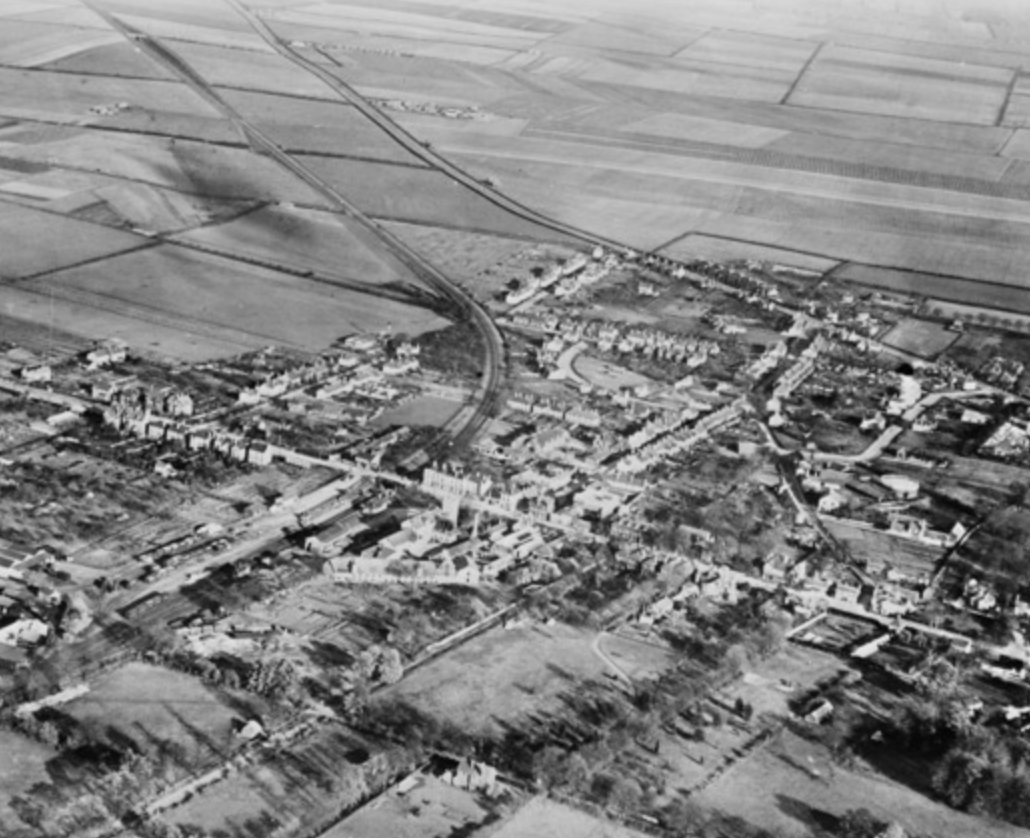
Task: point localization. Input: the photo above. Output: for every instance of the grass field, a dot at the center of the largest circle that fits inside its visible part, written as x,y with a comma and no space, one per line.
116,59
429,411
606,375
543,818
420,196
1004,297
214,308
150,705
782,792
502,675
432,809
694,246
920,337
303,238
68,241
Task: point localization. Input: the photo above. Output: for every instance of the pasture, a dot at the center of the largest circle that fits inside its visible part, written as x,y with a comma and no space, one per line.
925,338
149,706
544,818
793,785
215,307
303,238
503,675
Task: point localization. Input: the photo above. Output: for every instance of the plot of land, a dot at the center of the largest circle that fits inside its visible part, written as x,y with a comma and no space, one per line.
22,765
719,250
920,337
782,792
502,675
213,307
606,375
543,818
855,80
306,239
1005,297
150,705
432,809
69,241
429,411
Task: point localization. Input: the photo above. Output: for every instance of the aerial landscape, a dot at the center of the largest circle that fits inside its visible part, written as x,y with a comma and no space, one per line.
514,419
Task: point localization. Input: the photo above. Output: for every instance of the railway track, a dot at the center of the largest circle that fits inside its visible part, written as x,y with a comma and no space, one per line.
401,136
458,304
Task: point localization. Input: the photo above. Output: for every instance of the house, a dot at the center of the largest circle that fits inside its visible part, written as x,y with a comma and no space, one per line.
259,454
818,711
36,373
14,560
465,773
107,352
25,633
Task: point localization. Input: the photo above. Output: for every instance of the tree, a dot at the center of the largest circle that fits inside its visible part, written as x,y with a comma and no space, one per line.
550,767
859,823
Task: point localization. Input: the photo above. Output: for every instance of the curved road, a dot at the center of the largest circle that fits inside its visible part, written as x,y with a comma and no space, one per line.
464,427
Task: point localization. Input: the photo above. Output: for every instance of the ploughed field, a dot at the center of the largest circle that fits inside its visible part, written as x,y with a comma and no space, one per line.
893,148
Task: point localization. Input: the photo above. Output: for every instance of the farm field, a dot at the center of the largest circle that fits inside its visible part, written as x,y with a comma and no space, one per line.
303,238
69,241
216,307
402,193
782,792
708,247
949,288
543,818
463,255
151,705
920,337
502,675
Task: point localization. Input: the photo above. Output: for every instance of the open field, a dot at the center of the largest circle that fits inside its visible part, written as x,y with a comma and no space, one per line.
782,792
429,411
844,78
402,193
952,289
708,247
216,307
115,59
151,705
502,675
925,338
64,95
432,809
69,241
543,818
303,238
606,375
462,255
972,313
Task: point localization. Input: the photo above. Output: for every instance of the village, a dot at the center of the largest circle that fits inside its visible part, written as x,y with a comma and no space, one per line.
674,438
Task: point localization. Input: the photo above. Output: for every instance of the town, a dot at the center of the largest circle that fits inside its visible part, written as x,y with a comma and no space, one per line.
678,442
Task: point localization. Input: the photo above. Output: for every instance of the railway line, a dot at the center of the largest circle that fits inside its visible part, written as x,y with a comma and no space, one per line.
459,304
401,136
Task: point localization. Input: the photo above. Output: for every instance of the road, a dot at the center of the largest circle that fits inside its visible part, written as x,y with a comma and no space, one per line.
401,136
461,305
